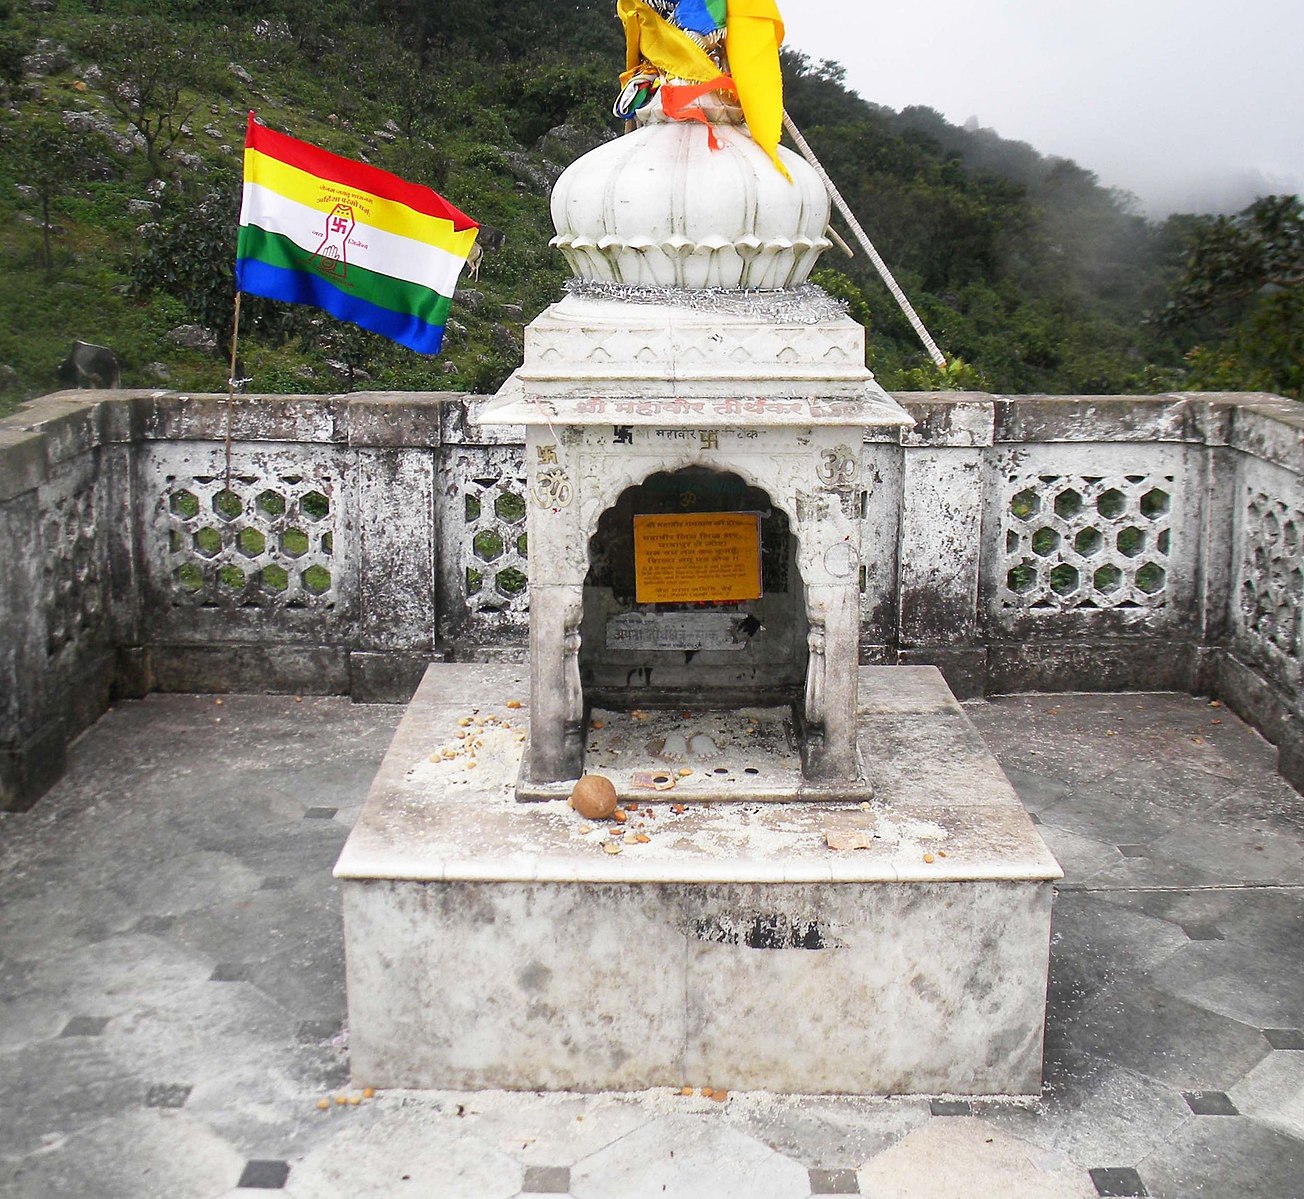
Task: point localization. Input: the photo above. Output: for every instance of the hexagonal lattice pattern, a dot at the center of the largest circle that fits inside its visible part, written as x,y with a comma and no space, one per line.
266,541
1074,542
74,600
494,544
1270,589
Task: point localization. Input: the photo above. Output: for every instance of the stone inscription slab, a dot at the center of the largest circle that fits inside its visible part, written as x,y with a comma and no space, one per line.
697,557
687,631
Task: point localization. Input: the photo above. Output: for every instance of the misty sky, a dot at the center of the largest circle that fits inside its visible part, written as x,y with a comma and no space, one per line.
1192,105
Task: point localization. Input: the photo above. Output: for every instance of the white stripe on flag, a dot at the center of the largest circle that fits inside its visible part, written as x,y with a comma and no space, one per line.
383,252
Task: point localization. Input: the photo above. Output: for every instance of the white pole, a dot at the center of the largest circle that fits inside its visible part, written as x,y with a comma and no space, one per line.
861,236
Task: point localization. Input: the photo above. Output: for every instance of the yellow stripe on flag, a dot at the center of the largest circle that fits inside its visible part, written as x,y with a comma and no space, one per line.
385,215
754,33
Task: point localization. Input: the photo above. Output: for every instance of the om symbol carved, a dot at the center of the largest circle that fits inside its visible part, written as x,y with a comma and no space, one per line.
553,489
837,467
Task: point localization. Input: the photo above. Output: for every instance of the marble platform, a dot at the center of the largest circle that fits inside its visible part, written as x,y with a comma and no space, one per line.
491,943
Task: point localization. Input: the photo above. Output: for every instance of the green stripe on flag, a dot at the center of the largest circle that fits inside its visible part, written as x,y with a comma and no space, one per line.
397,295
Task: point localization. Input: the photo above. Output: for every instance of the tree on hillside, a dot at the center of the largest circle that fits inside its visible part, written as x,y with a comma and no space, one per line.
52,160
1234,258
148,65
1243,295
190,255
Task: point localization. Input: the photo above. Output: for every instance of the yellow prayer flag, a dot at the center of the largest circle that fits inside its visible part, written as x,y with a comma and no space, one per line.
754,33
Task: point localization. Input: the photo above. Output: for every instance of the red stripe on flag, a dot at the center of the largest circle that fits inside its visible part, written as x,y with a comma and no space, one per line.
357,175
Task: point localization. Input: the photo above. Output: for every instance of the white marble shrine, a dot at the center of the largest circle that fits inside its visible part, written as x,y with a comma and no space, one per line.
823,882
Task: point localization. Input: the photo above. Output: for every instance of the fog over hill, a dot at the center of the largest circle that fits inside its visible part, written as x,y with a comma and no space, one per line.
1192,105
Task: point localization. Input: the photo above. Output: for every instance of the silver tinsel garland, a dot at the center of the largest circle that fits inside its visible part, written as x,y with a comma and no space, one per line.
804,305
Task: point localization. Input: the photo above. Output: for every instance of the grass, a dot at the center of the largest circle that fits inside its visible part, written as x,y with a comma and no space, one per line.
87,293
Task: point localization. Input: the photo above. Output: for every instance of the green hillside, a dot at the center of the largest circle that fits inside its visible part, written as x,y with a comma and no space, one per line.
122,127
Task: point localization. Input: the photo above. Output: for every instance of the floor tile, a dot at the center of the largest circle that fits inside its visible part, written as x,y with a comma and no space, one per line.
829,1133
156,891
1096,1112
230,972
546,1180
155,926
951,1107
685,1157
85,1026
1095,944
1268,919
312,1032
385,1152
834,1182
1118,1180
1258,988
552,1130
1168,1039
130,1154
1270,801
66,1085
1210,1103
1105,814
1037,791
264,1175
1181,907
1238,855
1235,1157
1273,1093
966,1159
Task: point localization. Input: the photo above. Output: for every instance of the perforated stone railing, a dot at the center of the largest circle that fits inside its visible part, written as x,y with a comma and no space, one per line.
1095,540
1086,541
263,541
489,509
1018,543
1269,593
269,554
73,600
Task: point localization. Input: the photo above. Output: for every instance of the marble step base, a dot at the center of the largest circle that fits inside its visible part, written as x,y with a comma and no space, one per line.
497,944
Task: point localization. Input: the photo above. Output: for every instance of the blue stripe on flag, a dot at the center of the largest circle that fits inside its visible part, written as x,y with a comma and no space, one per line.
303,287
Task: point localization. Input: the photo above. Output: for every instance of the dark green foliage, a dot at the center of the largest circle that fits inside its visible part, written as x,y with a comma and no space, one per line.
189,254
1242,294
52,160
149,66
1234,258
1031,276
13,47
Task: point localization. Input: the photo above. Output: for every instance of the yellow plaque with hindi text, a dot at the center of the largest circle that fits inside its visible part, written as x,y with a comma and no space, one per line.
698,557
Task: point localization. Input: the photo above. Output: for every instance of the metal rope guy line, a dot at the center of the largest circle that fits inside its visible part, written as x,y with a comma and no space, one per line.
861,236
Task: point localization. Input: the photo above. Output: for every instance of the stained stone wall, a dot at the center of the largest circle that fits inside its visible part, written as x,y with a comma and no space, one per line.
1020,543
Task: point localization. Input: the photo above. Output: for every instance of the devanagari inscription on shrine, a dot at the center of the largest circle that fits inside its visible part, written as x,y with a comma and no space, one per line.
697,557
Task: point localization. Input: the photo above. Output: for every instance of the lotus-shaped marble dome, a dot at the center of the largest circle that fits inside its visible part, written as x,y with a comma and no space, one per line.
659,207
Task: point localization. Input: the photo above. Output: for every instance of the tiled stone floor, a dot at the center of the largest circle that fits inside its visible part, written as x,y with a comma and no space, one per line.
172,999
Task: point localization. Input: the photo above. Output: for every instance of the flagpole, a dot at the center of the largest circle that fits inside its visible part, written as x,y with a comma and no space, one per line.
230,385
861,236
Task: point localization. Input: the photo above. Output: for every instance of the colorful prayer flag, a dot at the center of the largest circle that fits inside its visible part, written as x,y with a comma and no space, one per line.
649,36
755,33
349,238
